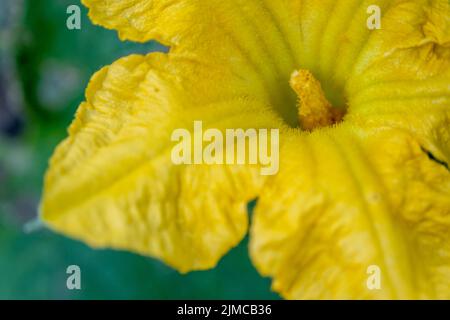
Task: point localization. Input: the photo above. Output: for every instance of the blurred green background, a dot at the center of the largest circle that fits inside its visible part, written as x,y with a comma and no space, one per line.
44,68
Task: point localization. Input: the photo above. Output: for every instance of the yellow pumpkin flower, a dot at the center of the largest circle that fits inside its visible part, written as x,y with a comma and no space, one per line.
364,120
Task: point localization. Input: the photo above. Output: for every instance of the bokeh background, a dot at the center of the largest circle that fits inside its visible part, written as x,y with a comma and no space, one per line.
44,69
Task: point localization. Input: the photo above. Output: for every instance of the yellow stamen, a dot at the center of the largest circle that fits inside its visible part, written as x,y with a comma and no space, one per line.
314,109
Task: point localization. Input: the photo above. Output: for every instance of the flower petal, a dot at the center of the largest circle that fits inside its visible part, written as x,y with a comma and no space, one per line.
256,40
112,182
265,41
356,198
402,78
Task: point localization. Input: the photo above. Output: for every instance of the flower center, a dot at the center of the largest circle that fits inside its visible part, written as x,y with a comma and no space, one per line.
314,110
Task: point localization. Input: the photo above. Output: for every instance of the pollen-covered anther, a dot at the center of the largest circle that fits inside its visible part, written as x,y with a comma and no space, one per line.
314,110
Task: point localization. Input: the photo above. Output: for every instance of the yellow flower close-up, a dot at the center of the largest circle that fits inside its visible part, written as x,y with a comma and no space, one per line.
364,122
